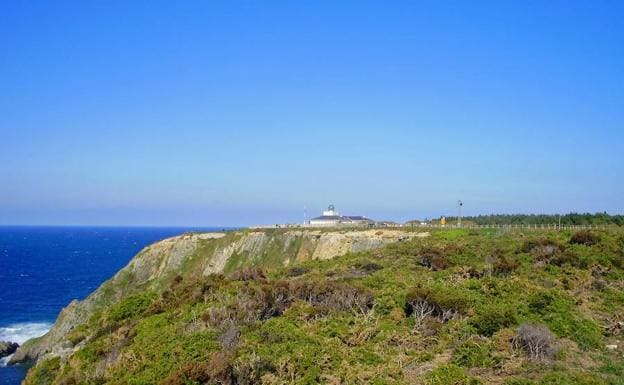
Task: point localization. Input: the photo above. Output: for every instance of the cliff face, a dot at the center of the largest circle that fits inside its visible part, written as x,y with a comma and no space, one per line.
203,254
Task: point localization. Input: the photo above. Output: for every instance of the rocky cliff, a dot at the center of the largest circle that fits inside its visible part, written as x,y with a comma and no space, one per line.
199,254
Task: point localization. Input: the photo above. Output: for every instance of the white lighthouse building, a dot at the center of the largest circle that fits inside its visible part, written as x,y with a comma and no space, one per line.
330,212
331,218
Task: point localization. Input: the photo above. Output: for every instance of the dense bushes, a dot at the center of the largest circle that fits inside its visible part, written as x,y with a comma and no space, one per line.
544,219
296,271
368,267
332,295
131,306
423,301
474,352
183,291
252,304
548,251
434,259
248,274
260,302
44,373
450,374
503,265
585,237
493,317
558,312
250,371
217,371
542,248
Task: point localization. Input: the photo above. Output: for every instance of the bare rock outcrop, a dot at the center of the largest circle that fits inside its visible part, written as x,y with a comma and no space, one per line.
7,348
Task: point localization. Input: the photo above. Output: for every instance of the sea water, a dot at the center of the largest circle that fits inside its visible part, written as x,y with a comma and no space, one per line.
43,268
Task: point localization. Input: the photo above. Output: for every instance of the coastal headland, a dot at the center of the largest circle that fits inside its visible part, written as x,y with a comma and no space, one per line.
354,306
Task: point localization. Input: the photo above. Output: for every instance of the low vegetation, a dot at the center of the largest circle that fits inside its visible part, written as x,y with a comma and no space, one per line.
572,219
459,307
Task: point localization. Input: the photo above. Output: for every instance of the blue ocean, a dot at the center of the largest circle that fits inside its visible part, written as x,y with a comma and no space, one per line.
43,268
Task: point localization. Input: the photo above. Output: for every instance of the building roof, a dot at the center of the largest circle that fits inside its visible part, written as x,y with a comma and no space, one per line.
327,218
357,218
341,218
330,215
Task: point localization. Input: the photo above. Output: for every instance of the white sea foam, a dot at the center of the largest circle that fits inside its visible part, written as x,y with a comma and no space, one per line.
21,332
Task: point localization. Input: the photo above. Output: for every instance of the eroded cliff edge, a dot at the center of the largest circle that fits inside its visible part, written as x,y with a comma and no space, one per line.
203,254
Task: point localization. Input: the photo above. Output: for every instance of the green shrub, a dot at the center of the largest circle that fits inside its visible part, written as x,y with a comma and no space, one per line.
92,351
280,340
332,295
217,370
613,367
162,349
250,371
474,352
367,266
188,291
617,260
248,274
504,266
297,271
77,335
452,234
493,318
449,374
544,301
267,300
568,257
542,248
45,372
131,306
586,333
585,237
445,302
518,381
566,378
559,313
434,259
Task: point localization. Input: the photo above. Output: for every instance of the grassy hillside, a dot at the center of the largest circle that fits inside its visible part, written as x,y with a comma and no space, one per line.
460,307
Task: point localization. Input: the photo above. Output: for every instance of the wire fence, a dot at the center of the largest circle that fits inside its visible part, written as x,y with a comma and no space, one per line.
547,226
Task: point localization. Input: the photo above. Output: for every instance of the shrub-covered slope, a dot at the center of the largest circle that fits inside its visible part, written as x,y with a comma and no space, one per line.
459,307
200,254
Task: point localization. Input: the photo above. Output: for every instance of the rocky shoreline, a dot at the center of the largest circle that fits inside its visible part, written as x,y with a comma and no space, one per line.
7,348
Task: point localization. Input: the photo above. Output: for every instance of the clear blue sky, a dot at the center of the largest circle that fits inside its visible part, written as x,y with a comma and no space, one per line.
235,113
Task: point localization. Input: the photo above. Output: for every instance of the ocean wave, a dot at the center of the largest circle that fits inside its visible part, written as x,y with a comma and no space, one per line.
21,332
4,360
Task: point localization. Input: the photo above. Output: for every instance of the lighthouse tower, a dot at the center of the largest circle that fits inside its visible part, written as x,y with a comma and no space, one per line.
330,212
